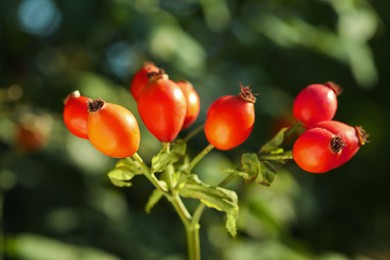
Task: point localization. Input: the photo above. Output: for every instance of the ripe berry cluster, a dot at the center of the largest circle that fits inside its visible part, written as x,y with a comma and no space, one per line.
166,107
325,144
111,128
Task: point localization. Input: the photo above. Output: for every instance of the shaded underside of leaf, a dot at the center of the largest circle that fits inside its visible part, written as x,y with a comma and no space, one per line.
217,198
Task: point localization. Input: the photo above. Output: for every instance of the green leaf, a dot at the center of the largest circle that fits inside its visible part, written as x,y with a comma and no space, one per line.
238,172
272,145
153,200
130,165
165,158
120,177
218,198
267,175
254,170
251,165
123,172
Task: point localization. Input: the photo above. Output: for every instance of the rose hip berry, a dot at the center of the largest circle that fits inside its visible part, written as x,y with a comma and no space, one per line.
327,145
230,120
162,107
112,129
75,114
193,102
353,137
316,103
141,79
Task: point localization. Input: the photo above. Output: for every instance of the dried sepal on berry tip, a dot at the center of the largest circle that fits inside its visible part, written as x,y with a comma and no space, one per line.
246,94
95,105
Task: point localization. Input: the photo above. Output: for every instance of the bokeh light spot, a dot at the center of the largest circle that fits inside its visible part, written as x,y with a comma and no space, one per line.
39,17
120,58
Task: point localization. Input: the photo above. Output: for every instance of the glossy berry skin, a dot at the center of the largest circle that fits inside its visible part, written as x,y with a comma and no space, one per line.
193,103
162,107
75,114
230,120
312,151
112,129
327,145
141,79
353,137
316,103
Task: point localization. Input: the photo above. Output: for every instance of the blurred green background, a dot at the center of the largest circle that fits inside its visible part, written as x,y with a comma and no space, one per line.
57,202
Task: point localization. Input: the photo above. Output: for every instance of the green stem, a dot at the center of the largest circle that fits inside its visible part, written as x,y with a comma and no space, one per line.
226,180
193,133
193,241
274,157
169,171
151,177
192,229
176,201
181,209
199,157
173,196
166,147
198,213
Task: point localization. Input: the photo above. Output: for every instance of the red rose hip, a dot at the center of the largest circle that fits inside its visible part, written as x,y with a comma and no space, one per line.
230,120
162,107
353,137
327,145
112,129
141,79
316,103
193,102
75,114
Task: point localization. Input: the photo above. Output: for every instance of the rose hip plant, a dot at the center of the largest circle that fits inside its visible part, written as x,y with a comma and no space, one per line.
167,107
